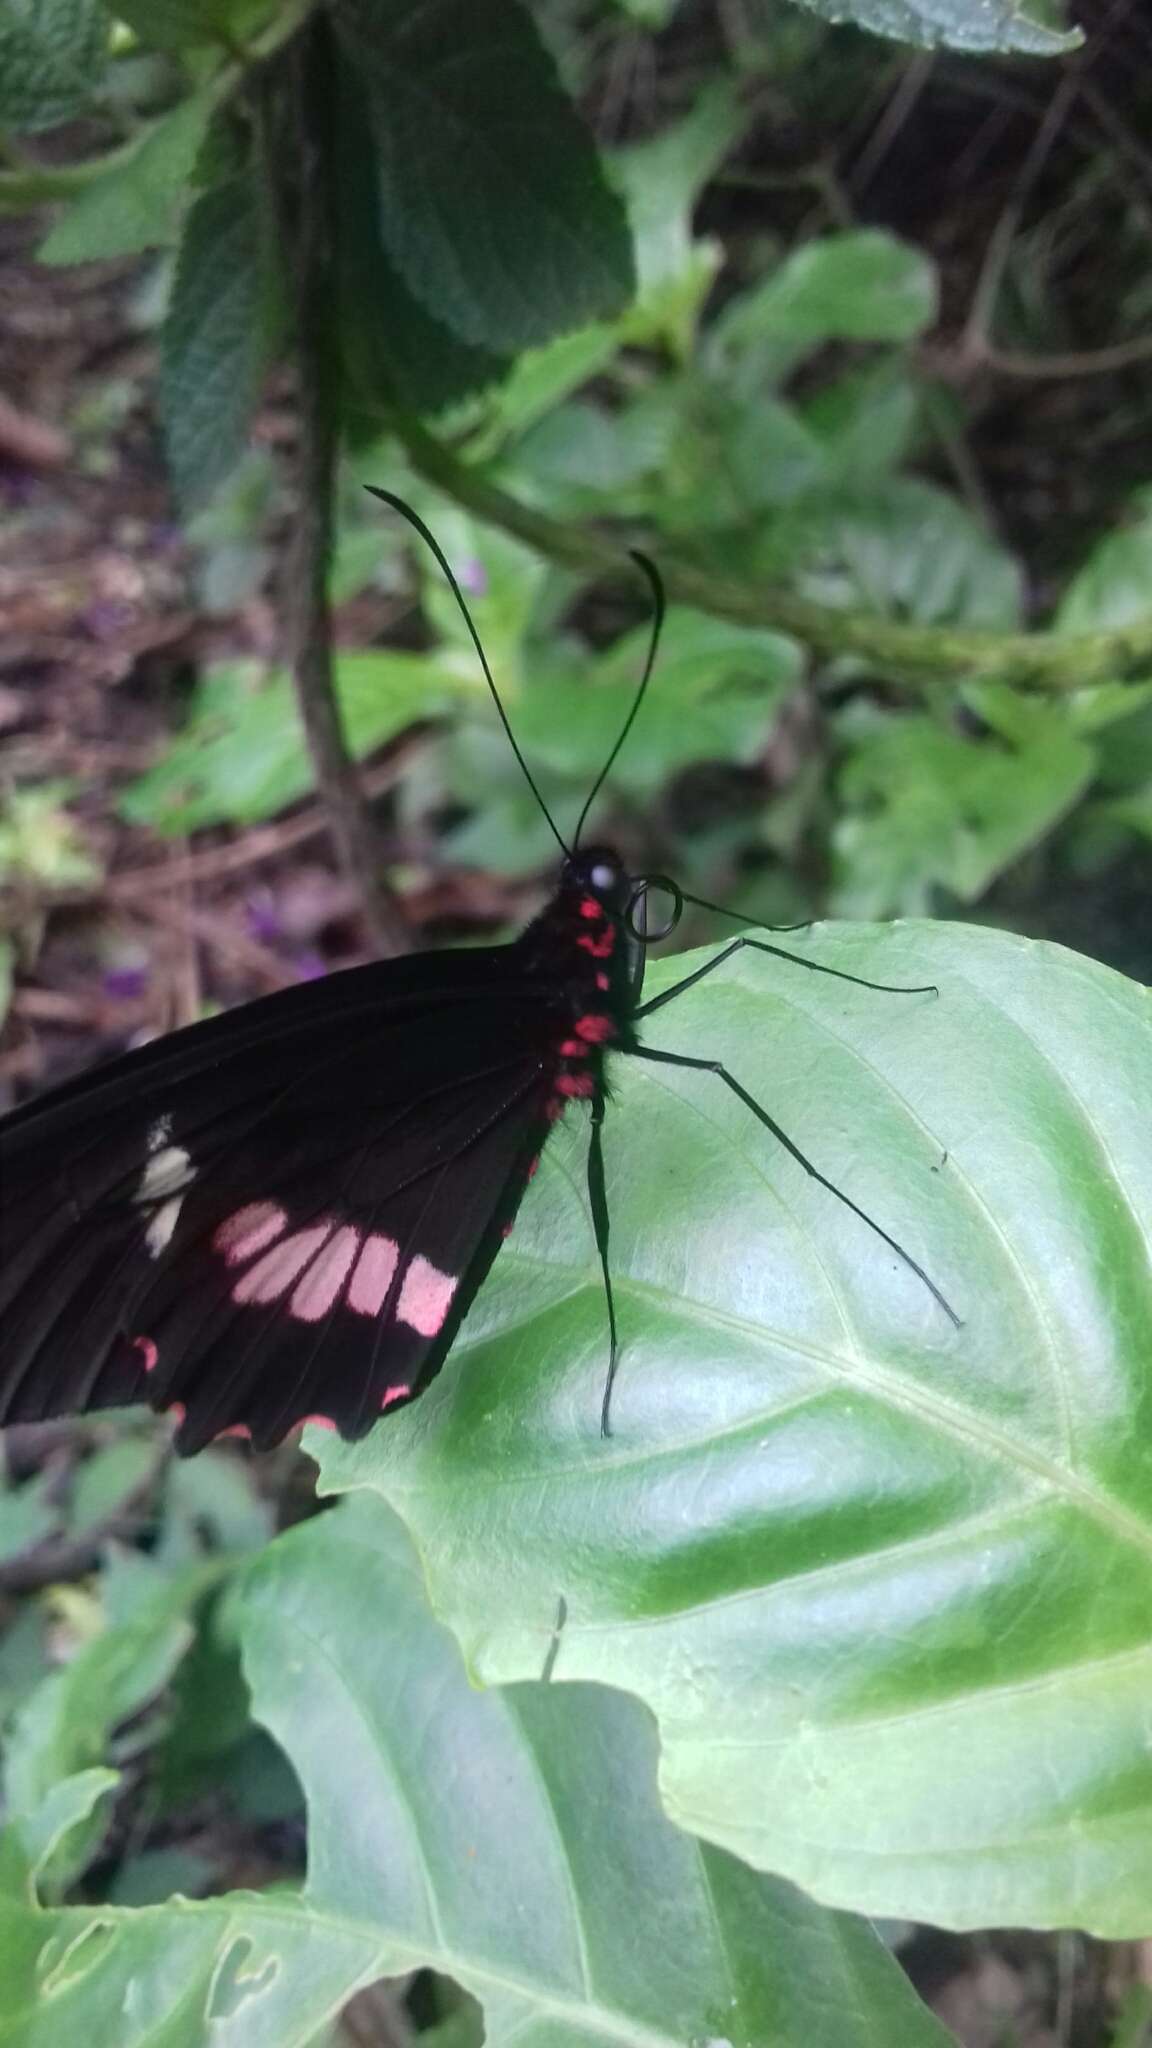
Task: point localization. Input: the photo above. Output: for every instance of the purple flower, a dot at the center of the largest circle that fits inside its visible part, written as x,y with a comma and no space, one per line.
472,576
263,919
310,966
125,984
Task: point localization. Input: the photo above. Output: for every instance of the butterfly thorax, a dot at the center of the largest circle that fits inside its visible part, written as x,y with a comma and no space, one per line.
589,961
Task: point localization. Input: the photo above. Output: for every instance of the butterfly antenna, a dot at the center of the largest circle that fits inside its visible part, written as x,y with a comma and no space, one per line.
659,607
409,513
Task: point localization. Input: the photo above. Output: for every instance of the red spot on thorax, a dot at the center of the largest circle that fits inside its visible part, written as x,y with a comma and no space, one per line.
602,981
590,908
595,1029
575,1084
573,1049
148,1351
601,947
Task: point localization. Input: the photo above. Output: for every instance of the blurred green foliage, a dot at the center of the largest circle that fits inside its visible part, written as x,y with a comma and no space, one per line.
566,314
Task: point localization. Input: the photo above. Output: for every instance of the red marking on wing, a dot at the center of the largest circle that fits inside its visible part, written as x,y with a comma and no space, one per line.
176,1410
595,1029
602,981
234,1429
320,1421
425,1297
278,1270
321,1283
589,907
150,1353
573,1049
395,1394
600,947
575,1084
372,1275
532,1167
241,1236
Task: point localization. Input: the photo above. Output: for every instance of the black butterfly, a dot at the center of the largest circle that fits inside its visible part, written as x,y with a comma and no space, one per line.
284,1213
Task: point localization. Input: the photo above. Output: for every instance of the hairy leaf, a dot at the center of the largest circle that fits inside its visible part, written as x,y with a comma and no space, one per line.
492,202
218,335
51,58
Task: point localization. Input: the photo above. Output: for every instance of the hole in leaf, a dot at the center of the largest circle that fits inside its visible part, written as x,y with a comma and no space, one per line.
64,1963
235,1981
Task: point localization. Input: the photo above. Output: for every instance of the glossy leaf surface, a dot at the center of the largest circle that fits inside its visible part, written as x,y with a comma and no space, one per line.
884,1583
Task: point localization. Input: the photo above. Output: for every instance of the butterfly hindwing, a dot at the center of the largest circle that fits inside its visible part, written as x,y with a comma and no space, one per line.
277,1215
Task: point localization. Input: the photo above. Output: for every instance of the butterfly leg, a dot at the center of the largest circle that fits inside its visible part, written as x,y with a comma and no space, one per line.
739,945
717,1067
598,1198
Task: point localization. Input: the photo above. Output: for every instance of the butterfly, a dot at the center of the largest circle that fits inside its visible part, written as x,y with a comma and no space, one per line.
283,1213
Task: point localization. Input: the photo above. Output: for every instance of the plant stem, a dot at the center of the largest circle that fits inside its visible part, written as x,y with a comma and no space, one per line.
304,220
917,654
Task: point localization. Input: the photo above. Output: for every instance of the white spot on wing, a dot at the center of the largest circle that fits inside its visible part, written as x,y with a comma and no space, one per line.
168,1172
161,1229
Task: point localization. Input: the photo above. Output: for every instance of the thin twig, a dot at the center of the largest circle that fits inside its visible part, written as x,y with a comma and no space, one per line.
1049,661
304,231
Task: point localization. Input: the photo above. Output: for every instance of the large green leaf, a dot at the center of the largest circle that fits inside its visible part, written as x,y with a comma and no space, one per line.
492,202
513,1840
885,1584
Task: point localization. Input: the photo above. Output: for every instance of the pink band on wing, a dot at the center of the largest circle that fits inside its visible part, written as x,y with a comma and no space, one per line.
321,1283
372,1275
148,1352
425,1297
275,1273
241,1236
395,1394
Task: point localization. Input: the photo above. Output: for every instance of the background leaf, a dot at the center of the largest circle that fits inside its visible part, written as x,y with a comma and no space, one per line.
957,24
218,335
136,204
52,56
832,1540
242,756
492,202
429,1800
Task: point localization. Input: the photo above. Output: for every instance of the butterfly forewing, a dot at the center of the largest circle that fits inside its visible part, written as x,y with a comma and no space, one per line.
278,1220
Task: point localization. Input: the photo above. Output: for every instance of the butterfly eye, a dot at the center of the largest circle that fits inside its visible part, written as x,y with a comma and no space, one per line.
645,919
